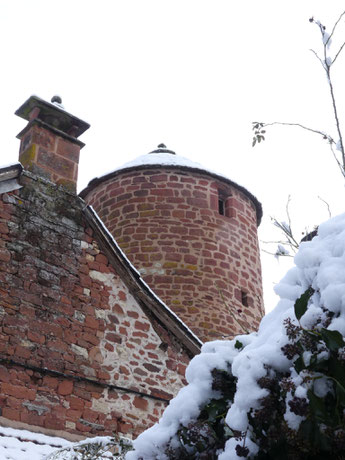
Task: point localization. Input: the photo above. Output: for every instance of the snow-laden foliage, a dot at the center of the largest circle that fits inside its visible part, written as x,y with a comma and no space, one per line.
97,448
277,393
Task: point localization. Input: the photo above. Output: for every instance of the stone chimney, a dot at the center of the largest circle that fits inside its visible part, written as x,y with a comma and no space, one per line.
49,144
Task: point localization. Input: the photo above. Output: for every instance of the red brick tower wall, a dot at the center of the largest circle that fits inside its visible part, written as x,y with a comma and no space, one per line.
204,265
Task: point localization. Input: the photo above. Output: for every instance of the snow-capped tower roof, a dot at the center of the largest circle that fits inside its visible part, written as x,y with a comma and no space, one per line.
164,157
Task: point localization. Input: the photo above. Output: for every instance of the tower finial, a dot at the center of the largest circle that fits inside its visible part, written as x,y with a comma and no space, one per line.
162,148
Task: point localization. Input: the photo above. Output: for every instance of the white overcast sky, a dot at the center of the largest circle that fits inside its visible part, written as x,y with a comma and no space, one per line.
193,74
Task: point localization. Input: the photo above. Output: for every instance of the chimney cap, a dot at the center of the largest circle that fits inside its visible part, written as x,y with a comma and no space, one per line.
53,115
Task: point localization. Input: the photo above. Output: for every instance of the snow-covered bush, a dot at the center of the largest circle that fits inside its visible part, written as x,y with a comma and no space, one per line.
97,448
275,394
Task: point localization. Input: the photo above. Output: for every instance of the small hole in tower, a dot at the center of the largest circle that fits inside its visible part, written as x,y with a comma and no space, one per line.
244,298
163,346
221,206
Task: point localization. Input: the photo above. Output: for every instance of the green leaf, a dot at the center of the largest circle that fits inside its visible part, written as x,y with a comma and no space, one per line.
340,391
317,406
254,142
228,432
238,345
310,430
301,303
299,364
333,339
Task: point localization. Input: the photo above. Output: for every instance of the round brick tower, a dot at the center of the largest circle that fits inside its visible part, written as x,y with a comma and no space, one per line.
193,236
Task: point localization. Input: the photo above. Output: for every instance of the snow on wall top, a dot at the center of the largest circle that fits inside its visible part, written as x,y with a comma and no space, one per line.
23,445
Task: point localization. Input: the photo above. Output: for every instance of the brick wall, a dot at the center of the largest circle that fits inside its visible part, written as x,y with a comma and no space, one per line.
204,265
78,354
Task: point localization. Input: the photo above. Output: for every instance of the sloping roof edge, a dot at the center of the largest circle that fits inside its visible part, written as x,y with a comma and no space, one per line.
11,171
98,180
137,286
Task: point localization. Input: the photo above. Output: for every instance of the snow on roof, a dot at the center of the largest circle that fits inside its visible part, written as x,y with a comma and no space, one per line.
26,445
162,157
320,263
165,157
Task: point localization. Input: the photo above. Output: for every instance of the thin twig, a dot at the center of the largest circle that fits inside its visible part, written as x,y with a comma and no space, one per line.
275,254
342,46
298,125
335,25
336,159
318,57
328,208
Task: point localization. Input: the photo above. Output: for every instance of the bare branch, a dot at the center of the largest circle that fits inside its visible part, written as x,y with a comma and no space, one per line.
318,57
328,208
340,49
300,126
335,25
336,159
288,213
275,254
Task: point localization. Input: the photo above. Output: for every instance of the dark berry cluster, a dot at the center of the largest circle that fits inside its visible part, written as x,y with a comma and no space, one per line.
242,451
290,350
298,406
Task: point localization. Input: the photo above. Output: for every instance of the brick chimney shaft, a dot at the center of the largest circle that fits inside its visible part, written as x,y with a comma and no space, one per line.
49,143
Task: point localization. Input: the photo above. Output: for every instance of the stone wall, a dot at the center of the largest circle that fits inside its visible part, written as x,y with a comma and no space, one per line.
204,265
78,354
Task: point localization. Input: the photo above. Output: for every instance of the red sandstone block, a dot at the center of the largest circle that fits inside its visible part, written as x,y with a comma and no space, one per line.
124,370
11,414
73,415
162,192
54,423
101,259
122,296
142,326
139,371
124,427
85,281
161,393
3,228
159,178
181,369
19,392
50,382
171,364
91,322
53,162
68,150
90,415
78,403
102,375
140,403
5,255
139,334
112,337
65,387
22,352
151,367
4,374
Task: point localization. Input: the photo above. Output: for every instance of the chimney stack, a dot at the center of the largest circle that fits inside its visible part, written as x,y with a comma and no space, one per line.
49,144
